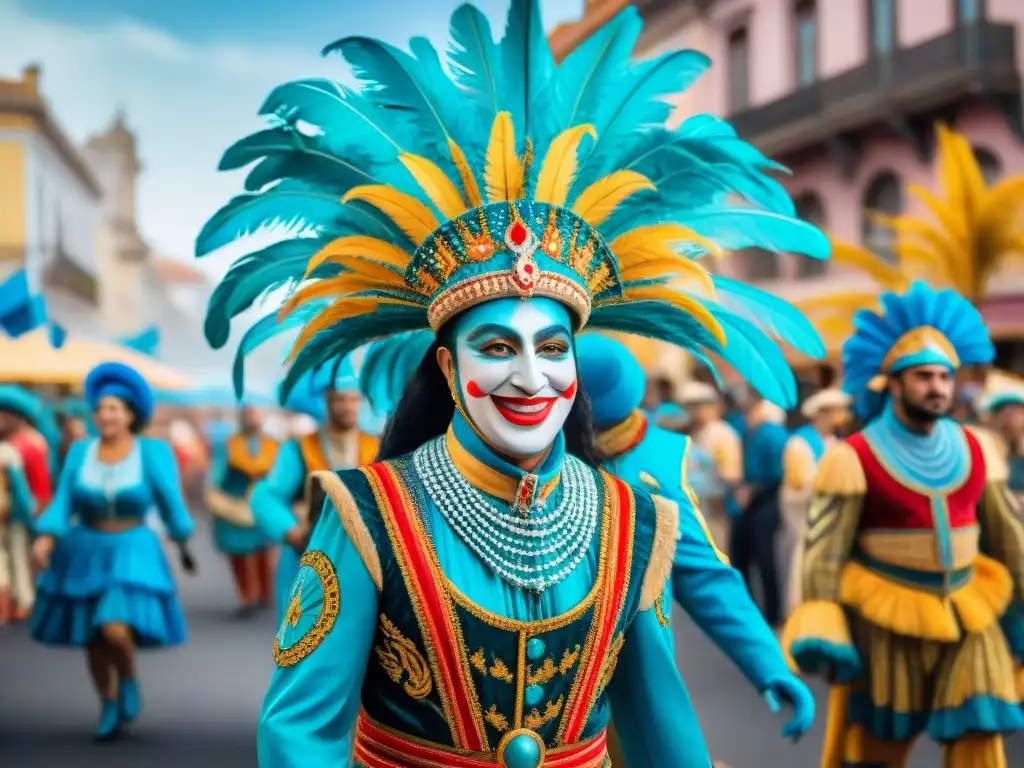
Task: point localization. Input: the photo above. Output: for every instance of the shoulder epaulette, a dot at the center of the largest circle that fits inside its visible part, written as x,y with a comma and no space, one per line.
840,472
353,523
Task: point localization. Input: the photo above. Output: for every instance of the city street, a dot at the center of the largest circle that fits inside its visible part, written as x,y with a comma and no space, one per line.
202,701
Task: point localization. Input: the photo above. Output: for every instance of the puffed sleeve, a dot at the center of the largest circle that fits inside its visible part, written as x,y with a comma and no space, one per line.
165,477
323,646
54,519
271,497
655,722
817,635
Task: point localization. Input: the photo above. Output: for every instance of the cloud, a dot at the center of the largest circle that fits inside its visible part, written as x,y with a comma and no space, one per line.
185,101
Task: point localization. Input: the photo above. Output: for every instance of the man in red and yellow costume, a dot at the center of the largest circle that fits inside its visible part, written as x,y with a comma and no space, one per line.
913,570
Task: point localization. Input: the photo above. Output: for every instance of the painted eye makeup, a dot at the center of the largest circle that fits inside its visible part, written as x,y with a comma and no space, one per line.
496,348
553,349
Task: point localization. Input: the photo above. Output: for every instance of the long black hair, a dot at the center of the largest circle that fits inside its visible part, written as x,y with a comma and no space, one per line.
426,409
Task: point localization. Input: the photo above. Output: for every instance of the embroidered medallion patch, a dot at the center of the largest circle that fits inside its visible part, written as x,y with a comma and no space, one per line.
312,610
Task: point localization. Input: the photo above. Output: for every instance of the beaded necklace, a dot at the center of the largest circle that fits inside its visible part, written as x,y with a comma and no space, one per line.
532,550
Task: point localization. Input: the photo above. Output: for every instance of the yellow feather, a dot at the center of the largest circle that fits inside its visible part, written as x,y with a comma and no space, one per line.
919,260
863,260
641,237
691,306
597,202
948,256
560,164
369,248
659,260
469,185
948,171
503,174
341,285
414,218
972,181
335,313
1005,198
438,187
952,221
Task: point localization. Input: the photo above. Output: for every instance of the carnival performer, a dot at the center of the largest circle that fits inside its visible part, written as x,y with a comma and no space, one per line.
498,588
21,416
17,506
711,433
246,458
106,584
913,569
280,502
1003,403
657,460
827,413
754,542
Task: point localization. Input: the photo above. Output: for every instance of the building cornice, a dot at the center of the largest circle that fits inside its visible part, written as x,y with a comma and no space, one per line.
20,99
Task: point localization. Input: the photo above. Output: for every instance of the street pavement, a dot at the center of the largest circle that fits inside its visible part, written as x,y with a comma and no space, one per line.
202,700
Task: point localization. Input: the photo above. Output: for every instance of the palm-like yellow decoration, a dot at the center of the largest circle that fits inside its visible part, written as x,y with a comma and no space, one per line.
972,229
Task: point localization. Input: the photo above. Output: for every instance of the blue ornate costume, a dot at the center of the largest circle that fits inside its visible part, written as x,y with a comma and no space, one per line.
98,577
657,460
279,500
491,610
913,565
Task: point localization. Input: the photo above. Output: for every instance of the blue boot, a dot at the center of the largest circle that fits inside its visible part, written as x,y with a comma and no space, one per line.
129,700
110,721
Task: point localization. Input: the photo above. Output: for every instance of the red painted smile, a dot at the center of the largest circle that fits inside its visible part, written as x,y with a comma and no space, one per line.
524,411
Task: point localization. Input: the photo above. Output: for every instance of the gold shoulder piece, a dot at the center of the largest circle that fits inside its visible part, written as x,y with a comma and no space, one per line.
327,610
996,468
663,552
353,523
840,472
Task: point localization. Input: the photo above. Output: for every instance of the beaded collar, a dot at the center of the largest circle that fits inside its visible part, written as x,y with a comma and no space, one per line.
495,476
935,463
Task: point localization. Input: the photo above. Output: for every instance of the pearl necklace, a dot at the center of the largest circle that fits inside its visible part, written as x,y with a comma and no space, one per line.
532,551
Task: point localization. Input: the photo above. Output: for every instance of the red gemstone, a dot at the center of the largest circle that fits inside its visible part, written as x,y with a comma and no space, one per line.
517,233
528,269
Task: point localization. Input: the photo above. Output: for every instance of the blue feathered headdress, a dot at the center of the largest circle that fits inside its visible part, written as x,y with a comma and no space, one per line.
435,188
388,365
920,327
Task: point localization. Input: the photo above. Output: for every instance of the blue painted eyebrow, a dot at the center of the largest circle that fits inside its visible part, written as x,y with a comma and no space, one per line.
546,334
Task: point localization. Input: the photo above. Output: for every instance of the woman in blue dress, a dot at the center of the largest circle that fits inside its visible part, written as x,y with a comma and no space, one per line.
106,585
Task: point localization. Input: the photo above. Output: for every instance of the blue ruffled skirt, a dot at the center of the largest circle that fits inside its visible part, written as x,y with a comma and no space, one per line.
98,578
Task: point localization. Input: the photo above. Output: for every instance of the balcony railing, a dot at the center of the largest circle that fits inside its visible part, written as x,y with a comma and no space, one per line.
980,58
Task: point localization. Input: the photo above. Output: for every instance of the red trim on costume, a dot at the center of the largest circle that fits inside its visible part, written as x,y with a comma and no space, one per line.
613,597
34,457
436,616
890,504
380,748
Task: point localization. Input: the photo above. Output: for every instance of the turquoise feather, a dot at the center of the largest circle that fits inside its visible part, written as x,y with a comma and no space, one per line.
737,228
757,359
776,317
475,59
528,68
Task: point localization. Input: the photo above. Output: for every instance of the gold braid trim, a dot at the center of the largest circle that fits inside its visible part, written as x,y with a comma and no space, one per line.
663,551
353,523
840,473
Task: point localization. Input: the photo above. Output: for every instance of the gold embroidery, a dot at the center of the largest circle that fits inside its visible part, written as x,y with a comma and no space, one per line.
551,243
544,674
569,660
535,720
500,672
610,662
601,279
479,662
330,605
497,720
295,608
659,613
402,662
581,258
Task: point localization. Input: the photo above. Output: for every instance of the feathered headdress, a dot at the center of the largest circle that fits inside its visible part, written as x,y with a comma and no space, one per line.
920,327
434,189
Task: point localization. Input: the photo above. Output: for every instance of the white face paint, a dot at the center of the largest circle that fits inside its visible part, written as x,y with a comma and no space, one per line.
516,372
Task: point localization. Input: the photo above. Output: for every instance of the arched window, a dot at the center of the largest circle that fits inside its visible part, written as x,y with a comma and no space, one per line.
990,165
759,264
883,195
810,208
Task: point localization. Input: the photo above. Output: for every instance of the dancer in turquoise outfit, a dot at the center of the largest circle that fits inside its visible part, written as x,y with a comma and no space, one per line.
658,460
279,501
244,459
482,593
106,585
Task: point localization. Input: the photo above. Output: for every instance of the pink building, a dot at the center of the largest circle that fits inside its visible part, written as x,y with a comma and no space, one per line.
846,93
